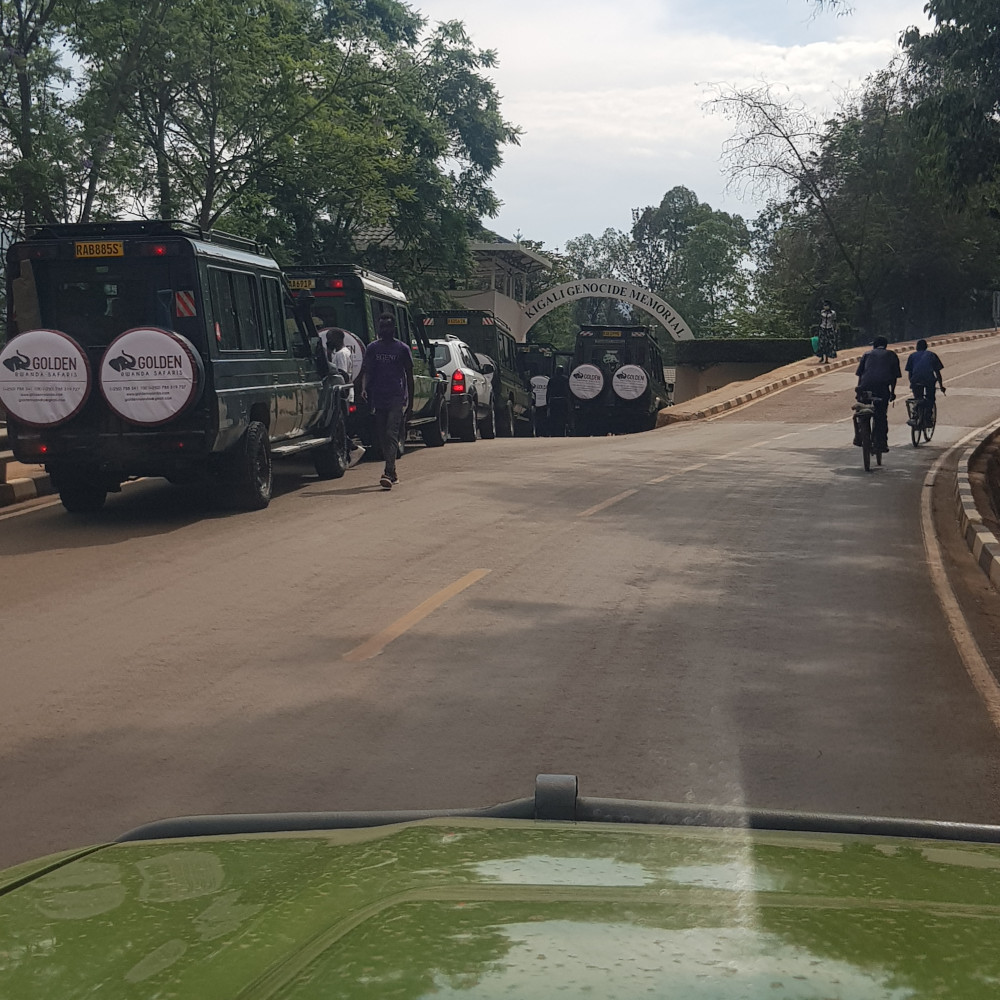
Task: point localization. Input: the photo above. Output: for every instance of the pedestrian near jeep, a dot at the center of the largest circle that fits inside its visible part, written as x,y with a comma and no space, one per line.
387,386
340,358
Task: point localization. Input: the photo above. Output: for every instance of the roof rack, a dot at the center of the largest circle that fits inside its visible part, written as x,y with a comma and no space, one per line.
143,227
325,270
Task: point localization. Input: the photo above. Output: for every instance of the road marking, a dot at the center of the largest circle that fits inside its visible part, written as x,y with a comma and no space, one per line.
992,364
608,503
780,437
677,472
968,649
377,643
29,510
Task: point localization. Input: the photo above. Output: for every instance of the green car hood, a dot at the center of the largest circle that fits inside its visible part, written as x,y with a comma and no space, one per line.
492,908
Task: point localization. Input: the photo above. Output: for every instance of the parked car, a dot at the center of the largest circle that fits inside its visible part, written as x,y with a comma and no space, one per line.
149,348
616,382
553,895
487,335
470,389
353,299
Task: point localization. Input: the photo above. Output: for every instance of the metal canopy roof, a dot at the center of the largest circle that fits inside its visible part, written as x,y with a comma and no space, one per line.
513,255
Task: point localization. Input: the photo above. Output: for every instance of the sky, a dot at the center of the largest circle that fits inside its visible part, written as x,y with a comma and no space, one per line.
610,95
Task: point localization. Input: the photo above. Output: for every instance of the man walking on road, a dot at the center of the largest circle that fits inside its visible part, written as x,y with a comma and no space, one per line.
877,373
557,398
387,385
539,399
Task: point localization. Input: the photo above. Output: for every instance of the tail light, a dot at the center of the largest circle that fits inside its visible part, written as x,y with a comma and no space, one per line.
458,382
352,408
158,249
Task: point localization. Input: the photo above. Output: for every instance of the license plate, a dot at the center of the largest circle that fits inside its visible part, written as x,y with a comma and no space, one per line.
611,333
460,321
106,248
301,284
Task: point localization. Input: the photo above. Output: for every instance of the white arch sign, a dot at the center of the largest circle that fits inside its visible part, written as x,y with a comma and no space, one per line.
609,288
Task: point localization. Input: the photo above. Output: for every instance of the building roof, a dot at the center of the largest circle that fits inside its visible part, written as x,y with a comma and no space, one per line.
514,255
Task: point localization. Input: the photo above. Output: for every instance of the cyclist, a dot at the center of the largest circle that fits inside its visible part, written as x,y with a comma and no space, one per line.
877,373
924,368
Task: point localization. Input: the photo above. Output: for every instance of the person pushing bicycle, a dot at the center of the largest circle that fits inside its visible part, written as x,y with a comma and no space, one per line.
877,374
924,368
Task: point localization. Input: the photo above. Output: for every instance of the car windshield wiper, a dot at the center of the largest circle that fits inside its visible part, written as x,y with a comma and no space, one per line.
557,799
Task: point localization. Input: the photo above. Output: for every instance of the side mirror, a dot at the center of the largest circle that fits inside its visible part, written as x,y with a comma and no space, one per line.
487,369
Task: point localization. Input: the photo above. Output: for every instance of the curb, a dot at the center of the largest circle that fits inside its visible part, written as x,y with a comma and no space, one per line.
666,417
28,488
982,543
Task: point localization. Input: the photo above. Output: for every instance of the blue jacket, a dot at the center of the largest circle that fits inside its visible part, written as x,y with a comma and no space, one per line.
878,369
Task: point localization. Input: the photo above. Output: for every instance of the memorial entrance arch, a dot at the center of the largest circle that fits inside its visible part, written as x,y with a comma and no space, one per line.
608,288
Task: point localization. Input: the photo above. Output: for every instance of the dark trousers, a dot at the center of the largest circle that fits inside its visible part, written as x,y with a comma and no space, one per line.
542,421
880,420
558,412
388,428
928,392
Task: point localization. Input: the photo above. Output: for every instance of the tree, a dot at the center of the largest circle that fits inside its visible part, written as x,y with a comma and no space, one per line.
956,69
37,137
866,221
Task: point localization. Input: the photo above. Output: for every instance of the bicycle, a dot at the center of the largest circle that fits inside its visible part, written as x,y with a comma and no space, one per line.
922,419
864,431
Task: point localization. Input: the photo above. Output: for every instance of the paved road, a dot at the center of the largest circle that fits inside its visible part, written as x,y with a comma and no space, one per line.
730,611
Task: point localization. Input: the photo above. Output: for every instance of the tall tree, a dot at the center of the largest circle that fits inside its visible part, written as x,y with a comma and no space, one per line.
37,137
956,67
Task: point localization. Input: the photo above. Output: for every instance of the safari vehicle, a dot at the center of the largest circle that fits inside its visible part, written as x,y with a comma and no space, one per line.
353,299
546,896
491,339
154,348
616,380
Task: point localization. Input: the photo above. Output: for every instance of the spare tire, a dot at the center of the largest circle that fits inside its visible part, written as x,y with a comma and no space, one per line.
586,382
45,378
150,376
630,382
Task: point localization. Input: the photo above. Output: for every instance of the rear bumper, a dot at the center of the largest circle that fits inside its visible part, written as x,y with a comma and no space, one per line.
459,406
129,453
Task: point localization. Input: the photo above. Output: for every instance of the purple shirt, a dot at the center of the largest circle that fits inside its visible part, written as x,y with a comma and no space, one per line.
387,366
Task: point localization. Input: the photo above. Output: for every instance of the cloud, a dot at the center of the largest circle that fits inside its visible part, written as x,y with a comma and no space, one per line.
611,94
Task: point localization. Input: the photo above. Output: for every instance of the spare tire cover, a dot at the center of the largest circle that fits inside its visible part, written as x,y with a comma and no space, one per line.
45,378
354,344
150,376
630,382
586,382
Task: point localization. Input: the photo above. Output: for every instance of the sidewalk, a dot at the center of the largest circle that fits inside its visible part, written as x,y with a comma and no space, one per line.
738,393
19,482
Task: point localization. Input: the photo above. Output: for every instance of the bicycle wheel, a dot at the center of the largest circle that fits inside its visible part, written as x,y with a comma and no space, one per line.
930,422
865,433
915,422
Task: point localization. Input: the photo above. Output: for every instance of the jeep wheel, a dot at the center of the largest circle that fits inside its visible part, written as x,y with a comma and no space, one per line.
505,425
82,496
488,427
330,460
252,481
469,429
435,435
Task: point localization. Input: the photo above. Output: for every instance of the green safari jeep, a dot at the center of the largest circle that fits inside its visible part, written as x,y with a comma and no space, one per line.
159,349
556,895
